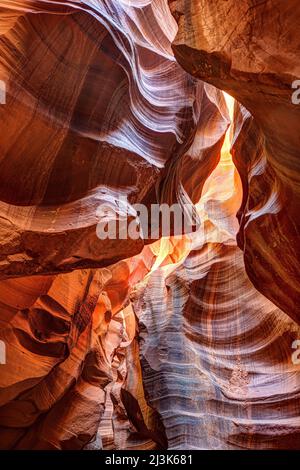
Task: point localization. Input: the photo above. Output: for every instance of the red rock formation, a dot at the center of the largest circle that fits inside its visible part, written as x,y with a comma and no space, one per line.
148,344
215,353
97,109
250,49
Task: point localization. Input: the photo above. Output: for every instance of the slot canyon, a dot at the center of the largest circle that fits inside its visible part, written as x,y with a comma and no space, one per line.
186,340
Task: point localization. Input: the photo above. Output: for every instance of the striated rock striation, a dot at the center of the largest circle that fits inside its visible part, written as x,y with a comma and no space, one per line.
251,50
97,110
182,341
215,353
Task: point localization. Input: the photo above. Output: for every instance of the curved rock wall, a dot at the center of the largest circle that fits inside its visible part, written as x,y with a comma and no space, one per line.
215,353
250,49
149,343
97,109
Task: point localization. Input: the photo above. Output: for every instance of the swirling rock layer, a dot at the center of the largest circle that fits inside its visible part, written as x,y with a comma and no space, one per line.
250,49
215,353
149,343
97,109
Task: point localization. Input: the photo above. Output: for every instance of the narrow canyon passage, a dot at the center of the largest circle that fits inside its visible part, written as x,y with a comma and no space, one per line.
184,340
214,351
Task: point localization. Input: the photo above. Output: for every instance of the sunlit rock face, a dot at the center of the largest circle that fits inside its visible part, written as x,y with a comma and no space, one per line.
97,109
251,50
72,372
148,344
215,353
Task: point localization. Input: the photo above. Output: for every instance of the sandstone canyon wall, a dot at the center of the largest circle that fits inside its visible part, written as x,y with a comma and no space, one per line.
181,341
251,50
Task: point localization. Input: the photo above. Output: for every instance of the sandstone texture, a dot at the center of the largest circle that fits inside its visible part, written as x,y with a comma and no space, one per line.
251,50
178,341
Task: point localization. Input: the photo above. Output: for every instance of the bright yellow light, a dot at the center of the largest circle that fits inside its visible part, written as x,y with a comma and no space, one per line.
230,105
